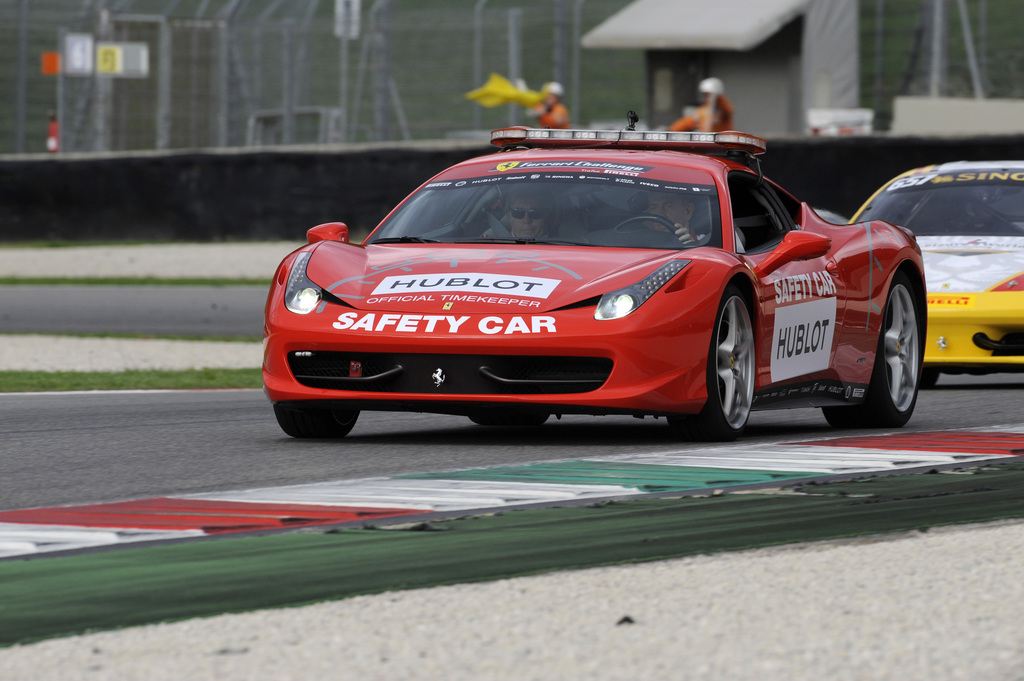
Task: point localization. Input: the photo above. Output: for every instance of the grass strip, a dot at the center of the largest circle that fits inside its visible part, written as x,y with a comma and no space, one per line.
63,243
133,379
136,335
46,597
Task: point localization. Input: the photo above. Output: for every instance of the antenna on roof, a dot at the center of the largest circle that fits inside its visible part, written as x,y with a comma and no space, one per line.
631,120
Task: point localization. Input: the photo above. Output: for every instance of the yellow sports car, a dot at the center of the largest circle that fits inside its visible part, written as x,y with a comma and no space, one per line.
969,221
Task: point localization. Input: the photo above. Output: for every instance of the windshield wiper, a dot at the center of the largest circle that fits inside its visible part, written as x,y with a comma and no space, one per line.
518,240
556,242
404,240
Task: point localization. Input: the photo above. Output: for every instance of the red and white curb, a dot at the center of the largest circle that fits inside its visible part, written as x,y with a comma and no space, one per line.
423,496
17,539
29,532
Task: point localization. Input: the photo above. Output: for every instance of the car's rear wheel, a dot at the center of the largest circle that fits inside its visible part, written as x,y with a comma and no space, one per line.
315,423
895,378
730,376
502,418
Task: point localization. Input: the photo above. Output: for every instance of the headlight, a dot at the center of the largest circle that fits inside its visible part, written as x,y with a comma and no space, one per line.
301,295
618,304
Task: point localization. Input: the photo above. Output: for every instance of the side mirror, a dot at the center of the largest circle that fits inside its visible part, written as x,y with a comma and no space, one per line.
329,231
794,246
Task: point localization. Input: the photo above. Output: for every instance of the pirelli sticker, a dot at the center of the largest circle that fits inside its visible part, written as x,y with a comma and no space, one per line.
951,301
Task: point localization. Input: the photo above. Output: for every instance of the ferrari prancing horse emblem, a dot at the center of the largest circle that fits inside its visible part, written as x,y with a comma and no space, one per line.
438,377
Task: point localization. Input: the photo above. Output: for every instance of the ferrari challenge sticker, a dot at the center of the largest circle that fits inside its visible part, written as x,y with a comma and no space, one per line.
971,244
372,322
802,339
470,282
599,166
972,265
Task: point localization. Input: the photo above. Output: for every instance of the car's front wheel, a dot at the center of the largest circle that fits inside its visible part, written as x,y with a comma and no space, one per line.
315,423
896,377
730,376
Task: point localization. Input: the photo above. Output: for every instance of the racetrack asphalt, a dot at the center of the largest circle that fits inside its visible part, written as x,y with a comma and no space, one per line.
232,261
235,260
942,604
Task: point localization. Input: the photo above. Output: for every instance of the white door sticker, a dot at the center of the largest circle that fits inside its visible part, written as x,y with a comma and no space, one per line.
802,340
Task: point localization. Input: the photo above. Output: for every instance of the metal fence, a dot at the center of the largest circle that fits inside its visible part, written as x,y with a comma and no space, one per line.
256,72
232,73
944,48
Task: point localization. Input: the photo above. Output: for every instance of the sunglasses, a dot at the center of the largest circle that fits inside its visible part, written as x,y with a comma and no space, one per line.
535,213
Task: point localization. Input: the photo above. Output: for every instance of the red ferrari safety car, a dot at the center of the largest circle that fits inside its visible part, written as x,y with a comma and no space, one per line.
599,272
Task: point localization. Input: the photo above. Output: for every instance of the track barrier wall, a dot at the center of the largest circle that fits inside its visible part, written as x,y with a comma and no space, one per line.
279,193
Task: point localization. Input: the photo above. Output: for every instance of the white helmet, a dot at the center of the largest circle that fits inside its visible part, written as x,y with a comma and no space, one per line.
555,89
712,86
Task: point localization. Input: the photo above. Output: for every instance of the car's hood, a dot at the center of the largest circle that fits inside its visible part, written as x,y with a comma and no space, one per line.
474,278
961,264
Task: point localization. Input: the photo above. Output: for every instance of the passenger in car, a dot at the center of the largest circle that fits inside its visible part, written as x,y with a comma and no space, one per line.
675,208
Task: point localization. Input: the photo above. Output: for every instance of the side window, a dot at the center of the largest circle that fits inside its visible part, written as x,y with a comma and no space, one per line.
759,215
790,206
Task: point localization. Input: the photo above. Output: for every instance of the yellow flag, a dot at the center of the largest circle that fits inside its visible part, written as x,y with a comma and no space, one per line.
499,90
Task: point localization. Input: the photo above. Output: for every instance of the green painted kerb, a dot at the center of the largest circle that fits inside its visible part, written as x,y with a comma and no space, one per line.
643,477
45,597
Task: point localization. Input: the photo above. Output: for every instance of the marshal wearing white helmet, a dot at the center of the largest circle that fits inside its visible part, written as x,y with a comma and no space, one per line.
552,113
712,86
714,113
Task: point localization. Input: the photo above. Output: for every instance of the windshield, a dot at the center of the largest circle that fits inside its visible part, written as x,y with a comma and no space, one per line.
558,208
989,203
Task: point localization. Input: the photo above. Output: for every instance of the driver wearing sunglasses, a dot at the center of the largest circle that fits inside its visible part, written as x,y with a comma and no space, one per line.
531,214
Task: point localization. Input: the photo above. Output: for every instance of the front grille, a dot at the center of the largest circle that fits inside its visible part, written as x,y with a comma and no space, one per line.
449,374
1011,345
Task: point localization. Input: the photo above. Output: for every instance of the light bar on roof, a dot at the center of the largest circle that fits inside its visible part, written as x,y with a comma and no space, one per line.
700,142
739,140
579,135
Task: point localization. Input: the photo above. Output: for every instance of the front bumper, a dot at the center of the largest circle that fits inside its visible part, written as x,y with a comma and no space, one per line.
975,332
629,366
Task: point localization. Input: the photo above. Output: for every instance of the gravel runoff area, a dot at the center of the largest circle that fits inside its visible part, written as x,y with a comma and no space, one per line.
945,604
240,260
31,352
67,353
939,605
